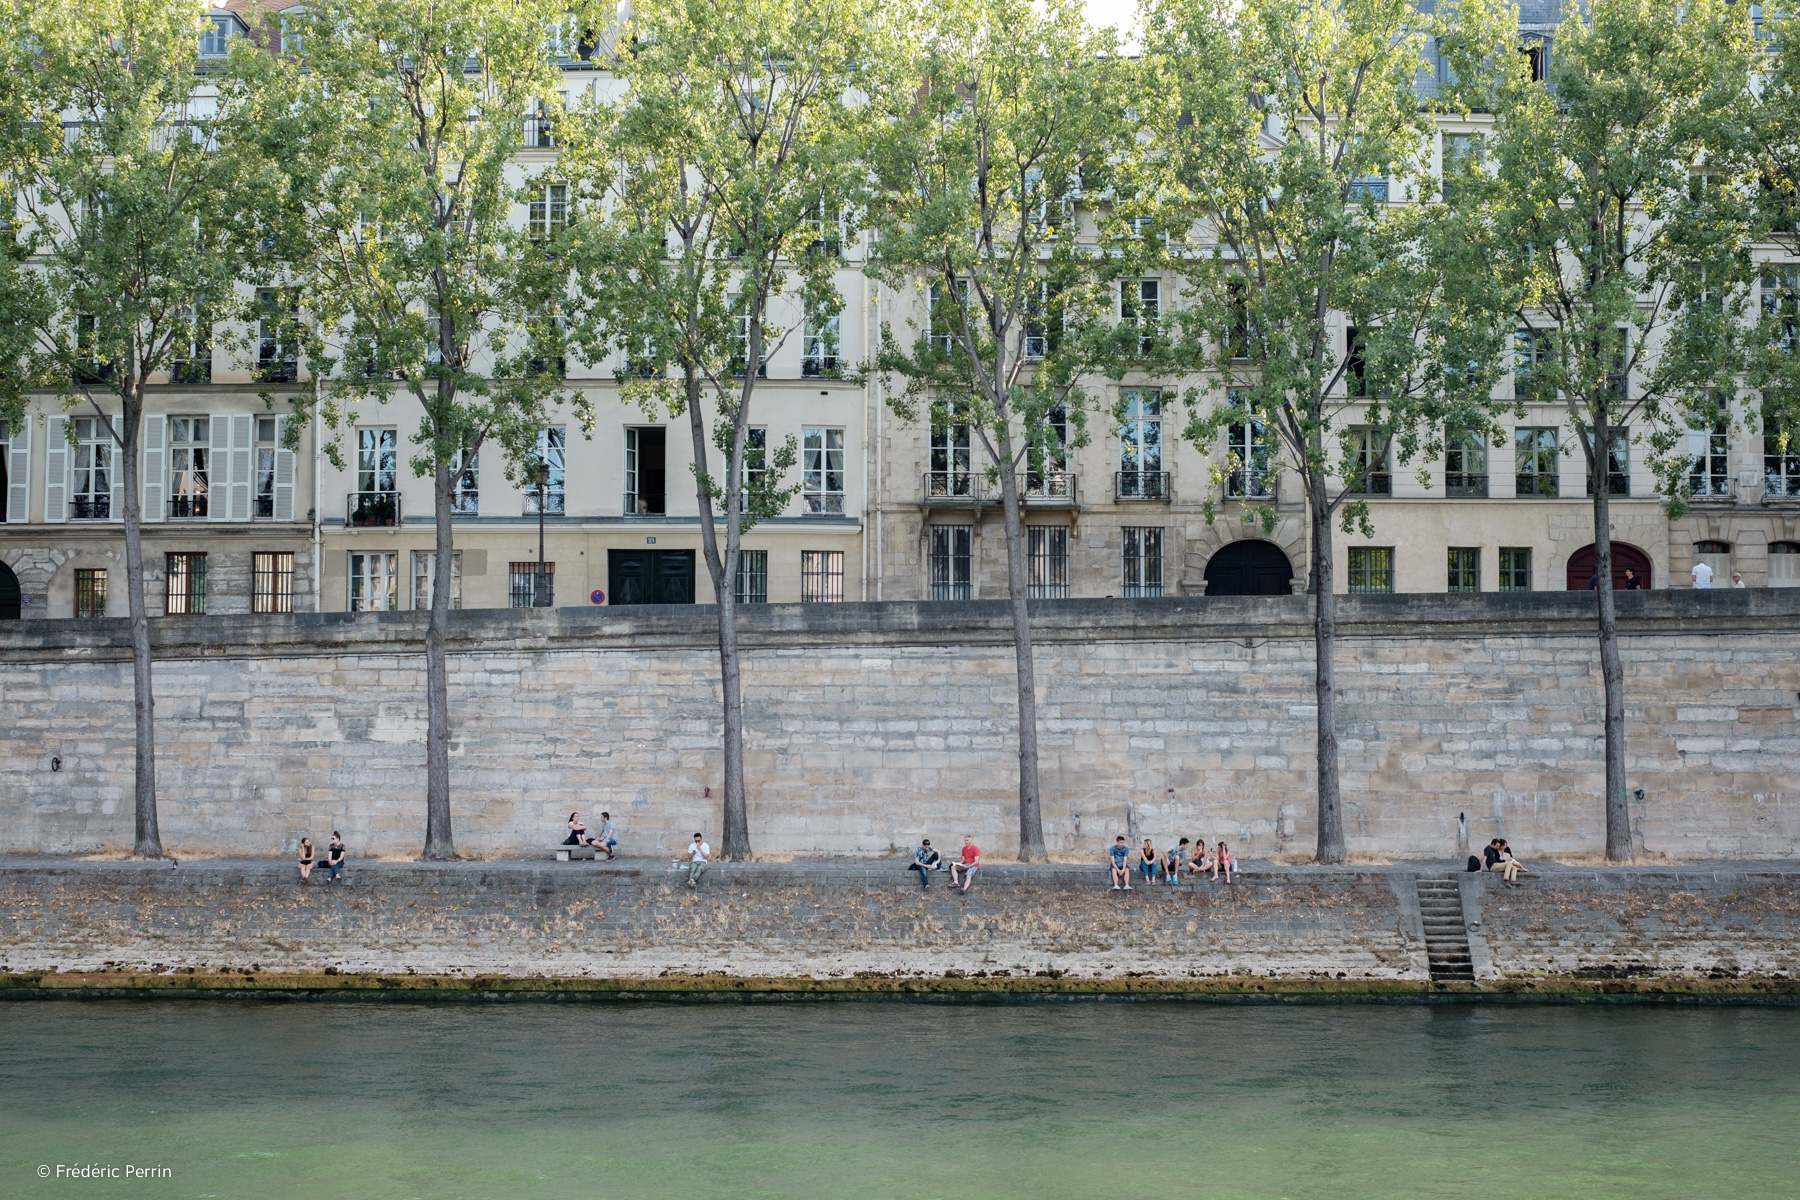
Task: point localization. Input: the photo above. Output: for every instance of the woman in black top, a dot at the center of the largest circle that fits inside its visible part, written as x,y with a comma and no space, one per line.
334,857
306,859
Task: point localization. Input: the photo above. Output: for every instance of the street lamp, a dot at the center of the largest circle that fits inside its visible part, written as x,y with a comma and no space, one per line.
540,592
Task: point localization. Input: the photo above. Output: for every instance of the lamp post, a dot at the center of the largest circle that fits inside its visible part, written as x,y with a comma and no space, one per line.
540,595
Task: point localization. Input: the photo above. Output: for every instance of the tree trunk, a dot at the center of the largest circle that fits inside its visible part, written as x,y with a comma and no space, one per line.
1031,819
735,833
1331,815
440,844
147,838
1612,671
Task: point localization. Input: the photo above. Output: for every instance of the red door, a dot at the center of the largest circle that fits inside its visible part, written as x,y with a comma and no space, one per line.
1581,567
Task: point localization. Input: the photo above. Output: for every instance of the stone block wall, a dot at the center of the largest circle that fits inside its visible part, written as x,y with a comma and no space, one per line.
871,725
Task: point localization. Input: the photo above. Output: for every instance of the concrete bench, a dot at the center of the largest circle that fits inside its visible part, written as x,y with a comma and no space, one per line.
565,853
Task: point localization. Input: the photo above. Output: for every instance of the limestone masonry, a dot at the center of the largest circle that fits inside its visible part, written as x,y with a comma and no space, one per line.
871,725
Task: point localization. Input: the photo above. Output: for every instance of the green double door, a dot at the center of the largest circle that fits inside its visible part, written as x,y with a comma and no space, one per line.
650,576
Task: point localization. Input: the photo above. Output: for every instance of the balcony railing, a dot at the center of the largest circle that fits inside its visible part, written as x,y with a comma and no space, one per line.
90,508
1711,489
1256,490
553,503
1141,485
187,507
364,509
540,133
644,504
951,488
1466,487
1042,488
823,503
1373,483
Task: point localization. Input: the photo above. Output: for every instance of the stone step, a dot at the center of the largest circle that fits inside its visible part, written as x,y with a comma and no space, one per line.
1446,930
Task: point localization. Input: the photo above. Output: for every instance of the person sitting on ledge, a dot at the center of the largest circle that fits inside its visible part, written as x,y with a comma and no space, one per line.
925,861
1222,861
1173,861
971,861
699,855
1202,860
609,837
306,859
577,831
334,857
1121,864
1509,867
1147,862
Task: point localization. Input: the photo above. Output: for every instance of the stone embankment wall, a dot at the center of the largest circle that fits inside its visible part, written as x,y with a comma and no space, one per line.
843,919
871,725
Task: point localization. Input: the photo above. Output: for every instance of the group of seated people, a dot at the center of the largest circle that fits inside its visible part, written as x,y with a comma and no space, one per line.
1191,857
607,840
1498,856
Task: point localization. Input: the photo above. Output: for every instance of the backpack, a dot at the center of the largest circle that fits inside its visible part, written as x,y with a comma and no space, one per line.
1474,866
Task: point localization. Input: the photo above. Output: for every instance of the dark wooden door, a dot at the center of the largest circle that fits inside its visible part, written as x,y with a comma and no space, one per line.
1581,567
9,594
1249,568
650,576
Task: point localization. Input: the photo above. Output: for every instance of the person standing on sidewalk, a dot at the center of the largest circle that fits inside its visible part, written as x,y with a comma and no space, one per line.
699,854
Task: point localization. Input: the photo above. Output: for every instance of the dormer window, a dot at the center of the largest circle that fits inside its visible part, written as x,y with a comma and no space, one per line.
293,32
215,40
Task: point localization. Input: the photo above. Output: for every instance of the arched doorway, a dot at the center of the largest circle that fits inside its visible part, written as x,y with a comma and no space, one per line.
9,594
1249,568
1581,567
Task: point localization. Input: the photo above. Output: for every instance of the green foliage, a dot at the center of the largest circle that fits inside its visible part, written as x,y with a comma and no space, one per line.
1774,349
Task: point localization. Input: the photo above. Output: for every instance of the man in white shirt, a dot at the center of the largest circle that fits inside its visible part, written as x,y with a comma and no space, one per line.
1702,575
1737,580
698,854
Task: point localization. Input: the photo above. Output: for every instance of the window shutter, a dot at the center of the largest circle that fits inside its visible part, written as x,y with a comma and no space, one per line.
284,475
218,467
156,453
115,492
18,475
240,466
56,470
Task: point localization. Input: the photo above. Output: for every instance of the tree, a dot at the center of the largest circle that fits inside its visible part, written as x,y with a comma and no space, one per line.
412,267
987,175
138,176
1341,314
1620,185
725,177
1774,358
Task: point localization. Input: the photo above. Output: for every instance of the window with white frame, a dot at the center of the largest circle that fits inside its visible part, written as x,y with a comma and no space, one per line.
1465,463
377,460
374,581
1781,456
952,562
550,452
189,439
824,233
215,39
268,434
465,496
822,470
549,211
1039,318
1781,305
949,468
821,576
1047,458
91,496
740,340
1536,462
819,344
1369,474
1617,464
1462,156
1249,452
277,352
424,570
1143,561
1140,305
1709,457
1047,562
1140,475
944,320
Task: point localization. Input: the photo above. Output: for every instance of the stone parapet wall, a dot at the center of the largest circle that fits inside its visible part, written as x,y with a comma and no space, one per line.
871,725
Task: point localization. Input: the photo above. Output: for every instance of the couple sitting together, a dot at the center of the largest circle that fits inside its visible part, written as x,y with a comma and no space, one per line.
578,834
926,860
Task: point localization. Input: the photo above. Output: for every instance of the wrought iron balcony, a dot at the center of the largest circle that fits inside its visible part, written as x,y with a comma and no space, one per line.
1463,486
365,509
959,488
1142,485
1047,489
188,507
1252,489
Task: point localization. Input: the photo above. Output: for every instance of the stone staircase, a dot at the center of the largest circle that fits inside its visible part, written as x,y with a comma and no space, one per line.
1446,931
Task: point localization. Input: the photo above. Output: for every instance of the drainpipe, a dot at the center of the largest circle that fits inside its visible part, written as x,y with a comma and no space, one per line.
865,451
880,405
318,507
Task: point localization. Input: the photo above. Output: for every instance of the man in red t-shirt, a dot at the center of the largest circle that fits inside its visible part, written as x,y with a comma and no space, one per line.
971,859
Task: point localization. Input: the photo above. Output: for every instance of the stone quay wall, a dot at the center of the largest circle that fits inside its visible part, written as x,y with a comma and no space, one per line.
871,725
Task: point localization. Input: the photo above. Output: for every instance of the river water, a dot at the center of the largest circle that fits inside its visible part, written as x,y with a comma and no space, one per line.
261,1099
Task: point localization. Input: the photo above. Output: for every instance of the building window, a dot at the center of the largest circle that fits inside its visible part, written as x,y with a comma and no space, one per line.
1141,475
91,363
551,453
1617,465
272,581
1781,457
1716,555
1369,475
1250,454
1535,462
740,351
91,497
945,316
1047,562
215,39
1784,564
465,496
1515,568
90,592
268,433
1465,464
756,457
1369,187
186,594
952,562
1465,569
1140,305
424,568
374,582
1371,569
1356,363
752,586
1142,561
951,464
549,210
1709,467
819,345
376,501
821,576
1531,354
824,230
822,471
1781,306
277,357
1462,154
523,584
188,441
192,363
1038,317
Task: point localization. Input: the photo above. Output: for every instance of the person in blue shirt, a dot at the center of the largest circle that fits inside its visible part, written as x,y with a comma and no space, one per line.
925,861
1121,864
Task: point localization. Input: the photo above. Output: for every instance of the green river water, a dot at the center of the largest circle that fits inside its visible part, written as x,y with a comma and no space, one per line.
902,1100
